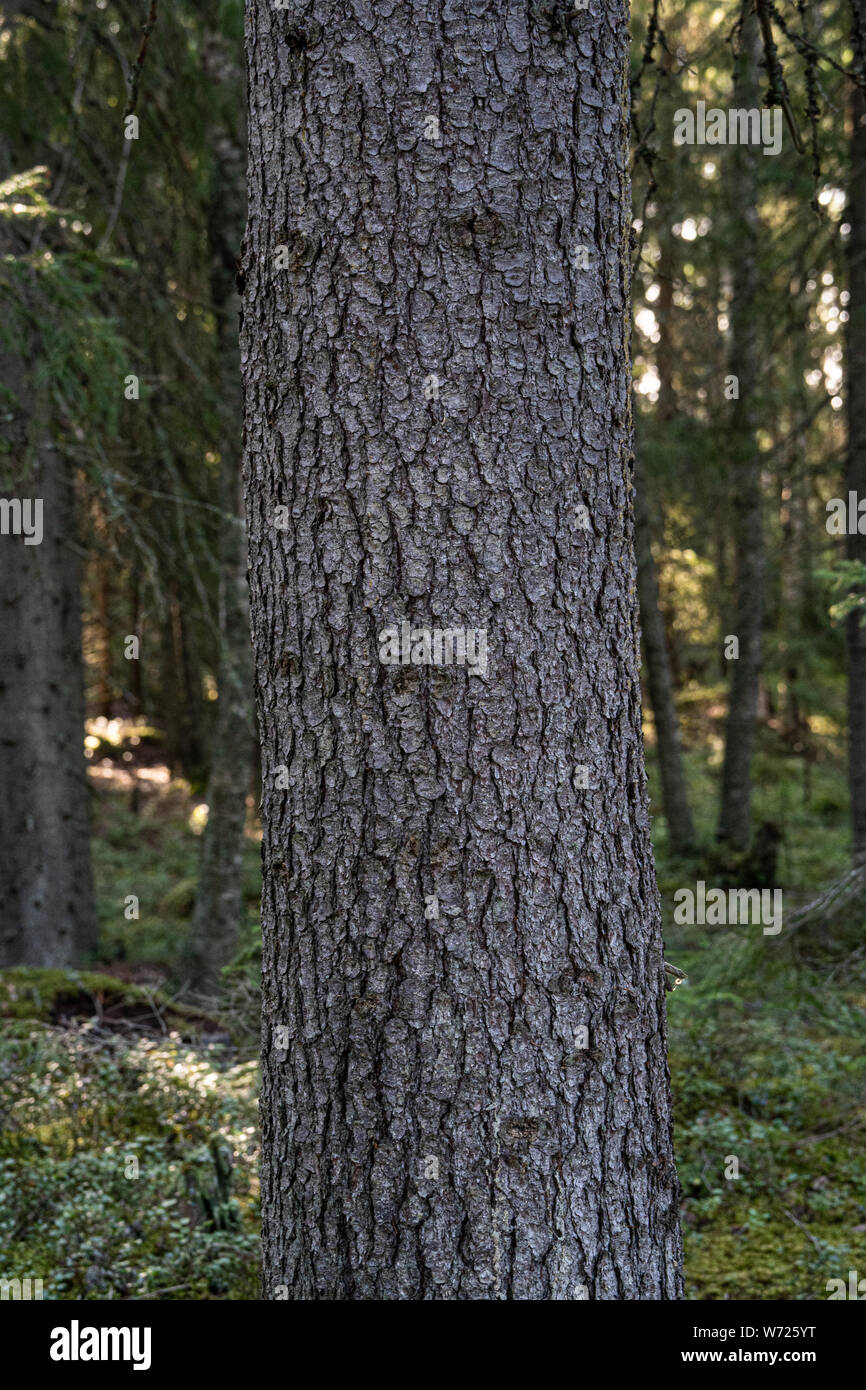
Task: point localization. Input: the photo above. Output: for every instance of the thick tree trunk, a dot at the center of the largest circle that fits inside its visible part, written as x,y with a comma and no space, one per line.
219,897
855,479
745,470
47,915
450,900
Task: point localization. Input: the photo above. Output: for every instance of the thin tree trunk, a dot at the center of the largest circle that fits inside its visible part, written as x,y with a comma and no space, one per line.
47,915
660,682
134,689
675,799
180,691
105,685
855,476
447,905
47,911
745,471
219,897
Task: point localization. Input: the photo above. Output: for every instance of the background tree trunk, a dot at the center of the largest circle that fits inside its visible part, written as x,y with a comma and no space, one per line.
47,915
855,475
675,798
659,675
219,896
181,692
445,906
745,471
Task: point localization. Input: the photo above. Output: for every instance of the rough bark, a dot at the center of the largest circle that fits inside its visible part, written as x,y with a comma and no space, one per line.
47,915
855,473
219,897
445,907
745,467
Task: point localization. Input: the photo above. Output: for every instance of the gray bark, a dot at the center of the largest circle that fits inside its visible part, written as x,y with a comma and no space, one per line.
745,468
433,1126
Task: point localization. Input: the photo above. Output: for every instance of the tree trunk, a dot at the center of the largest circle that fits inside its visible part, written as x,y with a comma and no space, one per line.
47,915
104,697
660,682
745,471
181,692
47,912
855,476
219,897
675,799
458,875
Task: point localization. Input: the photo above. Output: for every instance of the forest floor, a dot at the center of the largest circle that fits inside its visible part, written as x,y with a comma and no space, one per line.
128,1122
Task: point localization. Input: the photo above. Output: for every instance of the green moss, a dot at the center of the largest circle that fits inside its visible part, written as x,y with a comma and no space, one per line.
776,1260
51,996
179,900
27,992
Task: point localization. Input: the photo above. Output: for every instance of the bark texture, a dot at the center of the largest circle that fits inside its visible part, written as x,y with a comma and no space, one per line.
745,468
446,906
856,459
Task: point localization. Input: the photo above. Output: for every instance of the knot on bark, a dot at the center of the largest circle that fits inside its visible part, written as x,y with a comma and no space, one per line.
300,247
522,1129
301,34
479,231
556,16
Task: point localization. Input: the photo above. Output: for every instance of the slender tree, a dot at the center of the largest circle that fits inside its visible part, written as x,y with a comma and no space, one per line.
660,683
659,676
219,897
855,475
745,466
47,915
465,1085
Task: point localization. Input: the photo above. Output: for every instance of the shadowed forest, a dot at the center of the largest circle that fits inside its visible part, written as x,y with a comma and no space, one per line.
130,1001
